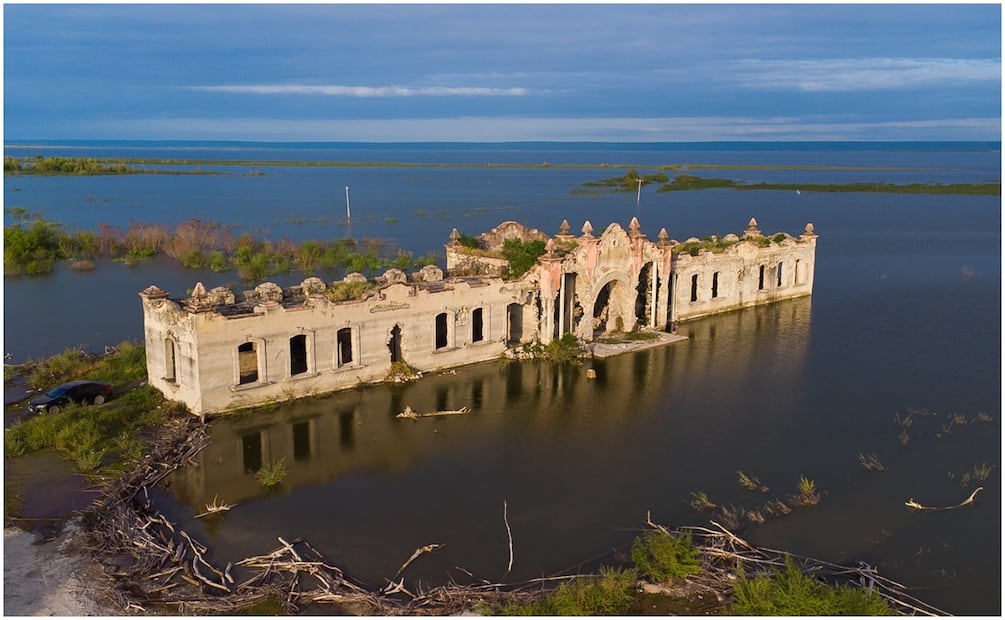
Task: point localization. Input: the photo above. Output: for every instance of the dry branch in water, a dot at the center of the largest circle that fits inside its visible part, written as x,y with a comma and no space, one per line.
411,414
970,500
169,569
215,508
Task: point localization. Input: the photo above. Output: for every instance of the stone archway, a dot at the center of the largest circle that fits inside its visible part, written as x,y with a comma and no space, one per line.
613,306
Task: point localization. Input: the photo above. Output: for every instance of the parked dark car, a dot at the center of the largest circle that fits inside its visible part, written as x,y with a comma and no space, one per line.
91,392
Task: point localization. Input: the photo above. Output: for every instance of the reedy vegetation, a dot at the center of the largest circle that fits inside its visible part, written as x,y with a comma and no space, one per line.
32,246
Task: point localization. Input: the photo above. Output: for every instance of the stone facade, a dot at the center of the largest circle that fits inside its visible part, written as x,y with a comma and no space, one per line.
216,353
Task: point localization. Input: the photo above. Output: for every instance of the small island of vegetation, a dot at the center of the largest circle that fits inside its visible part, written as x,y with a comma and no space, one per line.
629,182
33,245
689,182
686,182
77,166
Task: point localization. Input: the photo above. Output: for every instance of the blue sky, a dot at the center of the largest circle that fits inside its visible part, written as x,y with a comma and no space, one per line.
649,72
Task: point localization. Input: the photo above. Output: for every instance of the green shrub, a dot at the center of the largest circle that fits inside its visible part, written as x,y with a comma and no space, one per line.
563,350
402,371
217,261
665,558
612,594
32,250
791,593
344,291
193,260
272,474
521,256
469,242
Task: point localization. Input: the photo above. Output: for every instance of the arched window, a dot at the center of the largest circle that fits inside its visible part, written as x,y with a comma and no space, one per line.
170,361
441,331
298,355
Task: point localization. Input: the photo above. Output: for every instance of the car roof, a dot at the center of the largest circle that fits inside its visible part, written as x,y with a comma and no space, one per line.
77,382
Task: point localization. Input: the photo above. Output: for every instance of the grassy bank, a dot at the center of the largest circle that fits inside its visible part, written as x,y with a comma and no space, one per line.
102,438
672,564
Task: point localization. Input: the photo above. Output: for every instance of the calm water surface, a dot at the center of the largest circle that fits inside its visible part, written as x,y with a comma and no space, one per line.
906,313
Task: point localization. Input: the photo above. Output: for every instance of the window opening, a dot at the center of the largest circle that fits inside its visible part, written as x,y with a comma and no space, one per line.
247,362
779,274
441,330
170,364
715,285
514,323
694,287
760,279
298,355
343,346
477,325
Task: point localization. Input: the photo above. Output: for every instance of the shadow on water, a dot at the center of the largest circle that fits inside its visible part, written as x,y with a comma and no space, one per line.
579,461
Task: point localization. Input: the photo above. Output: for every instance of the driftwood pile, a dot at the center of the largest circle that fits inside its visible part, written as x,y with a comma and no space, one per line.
159,566
724,553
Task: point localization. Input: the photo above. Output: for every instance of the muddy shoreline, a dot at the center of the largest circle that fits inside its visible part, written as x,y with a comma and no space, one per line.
54,577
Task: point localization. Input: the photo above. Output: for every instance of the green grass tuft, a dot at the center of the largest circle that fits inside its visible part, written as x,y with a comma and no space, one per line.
272,475
791,593
662,558
612,594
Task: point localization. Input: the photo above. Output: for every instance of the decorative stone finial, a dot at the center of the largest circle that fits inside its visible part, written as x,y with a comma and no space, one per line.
663,237
154,292
313,286
395,276
199,290
455,237
564,228
752,230
587,230
550,248
633,227
808,234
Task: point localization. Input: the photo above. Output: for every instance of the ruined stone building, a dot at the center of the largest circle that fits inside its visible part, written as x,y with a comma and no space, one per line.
216,352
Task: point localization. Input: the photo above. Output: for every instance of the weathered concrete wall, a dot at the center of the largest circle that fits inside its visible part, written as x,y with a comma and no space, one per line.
207,377
745,274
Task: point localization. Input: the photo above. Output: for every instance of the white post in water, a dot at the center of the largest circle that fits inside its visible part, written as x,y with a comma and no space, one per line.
348,216
638,198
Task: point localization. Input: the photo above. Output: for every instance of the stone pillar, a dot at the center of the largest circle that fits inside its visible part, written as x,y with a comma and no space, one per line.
561,306
547,318
653,303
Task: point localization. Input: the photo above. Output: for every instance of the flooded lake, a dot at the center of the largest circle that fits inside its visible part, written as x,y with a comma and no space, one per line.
905,318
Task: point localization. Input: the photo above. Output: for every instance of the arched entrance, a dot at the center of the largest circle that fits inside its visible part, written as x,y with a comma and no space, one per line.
614,307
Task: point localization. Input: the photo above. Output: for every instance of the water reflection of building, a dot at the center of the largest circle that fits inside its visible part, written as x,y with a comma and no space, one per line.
215,353
513,404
